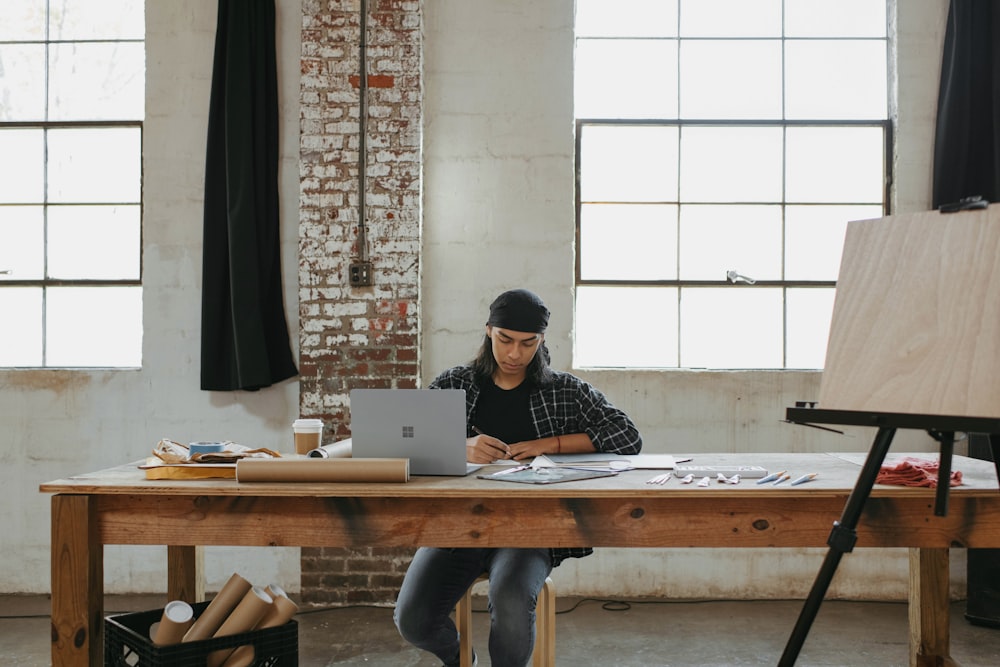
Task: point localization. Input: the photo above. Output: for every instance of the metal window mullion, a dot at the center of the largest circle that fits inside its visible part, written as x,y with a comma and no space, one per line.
45,186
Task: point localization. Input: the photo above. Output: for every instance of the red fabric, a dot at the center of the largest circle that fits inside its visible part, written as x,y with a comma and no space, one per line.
914,472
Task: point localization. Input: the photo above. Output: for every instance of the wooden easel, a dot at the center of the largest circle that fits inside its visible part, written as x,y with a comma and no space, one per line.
913,344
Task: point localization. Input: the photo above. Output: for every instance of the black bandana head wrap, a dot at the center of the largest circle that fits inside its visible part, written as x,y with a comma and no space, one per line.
519,310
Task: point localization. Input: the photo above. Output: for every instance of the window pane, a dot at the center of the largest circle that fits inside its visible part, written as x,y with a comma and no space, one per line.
724,79
94,326
731,327
628,242
94,165
22,243
22,20
626,18
609,85
21,333
649,340
93,242
715,239
814,239
107,19
750,171
731,18
96,81
629,163
843,18
836,79
22,82
835,164
809,312
22,180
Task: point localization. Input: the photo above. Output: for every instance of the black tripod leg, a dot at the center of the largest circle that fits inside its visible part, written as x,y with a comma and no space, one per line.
842,539
947,440
995,451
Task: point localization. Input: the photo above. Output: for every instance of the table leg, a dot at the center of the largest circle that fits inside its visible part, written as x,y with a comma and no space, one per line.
77,582
184,573
930,609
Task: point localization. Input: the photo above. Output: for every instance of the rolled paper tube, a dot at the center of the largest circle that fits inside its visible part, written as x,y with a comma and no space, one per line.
218,609
335,450
174,623
245,617
280,613
323,470
275,591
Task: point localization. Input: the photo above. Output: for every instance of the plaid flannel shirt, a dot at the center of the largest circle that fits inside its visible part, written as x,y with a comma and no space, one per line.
562,406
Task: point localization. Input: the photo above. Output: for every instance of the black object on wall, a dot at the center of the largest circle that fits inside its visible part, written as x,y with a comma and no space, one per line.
244,337
967,138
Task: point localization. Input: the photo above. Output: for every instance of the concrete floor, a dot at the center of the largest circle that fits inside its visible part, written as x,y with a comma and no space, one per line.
703,634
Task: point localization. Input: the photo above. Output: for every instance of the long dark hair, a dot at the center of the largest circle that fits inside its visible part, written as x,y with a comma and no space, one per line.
538,371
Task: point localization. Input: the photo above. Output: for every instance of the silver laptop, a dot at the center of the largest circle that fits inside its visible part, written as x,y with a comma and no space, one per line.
426,426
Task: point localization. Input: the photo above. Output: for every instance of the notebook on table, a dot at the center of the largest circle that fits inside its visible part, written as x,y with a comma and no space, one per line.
426,426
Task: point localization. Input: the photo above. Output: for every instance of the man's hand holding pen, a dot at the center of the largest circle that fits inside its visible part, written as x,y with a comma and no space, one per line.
484,448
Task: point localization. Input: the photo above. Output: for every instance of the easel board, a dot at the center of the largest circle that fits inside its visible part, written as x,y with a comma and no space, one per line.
916,319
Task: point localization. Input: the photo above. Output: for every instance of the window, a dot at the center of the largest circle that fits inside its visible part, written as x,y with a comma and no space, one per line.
722,146
72,86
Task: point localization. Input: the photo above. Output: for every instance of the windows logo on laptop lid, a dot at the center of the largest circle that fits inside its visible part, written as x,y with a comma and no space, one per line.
426,426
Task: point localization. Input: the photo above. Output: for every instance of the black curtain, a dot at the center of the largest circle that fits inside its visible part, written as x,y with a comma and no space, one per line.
967,142
244,337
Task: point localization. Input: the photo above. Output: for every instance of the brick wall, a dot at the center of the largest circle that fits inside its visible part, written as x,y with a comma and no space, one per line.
357,336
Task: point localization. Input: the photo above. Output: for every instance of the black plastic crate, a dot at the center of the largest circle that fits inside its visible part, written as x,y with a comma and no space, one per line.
127,643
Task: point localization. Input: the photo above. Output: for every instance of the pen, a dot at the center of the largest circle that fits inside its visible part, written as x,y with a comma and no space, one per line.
770,478
782,478
478,430
510,470
805,478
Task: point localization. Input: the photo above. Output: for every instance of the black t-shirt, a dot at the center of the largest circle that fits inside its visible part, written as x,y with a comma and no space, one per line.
505,413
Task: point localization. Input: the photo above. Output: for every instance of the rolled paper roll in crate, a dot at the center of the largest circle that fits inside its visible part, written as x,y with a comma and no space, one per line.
323,470
176,621
280,612
218,609
245,617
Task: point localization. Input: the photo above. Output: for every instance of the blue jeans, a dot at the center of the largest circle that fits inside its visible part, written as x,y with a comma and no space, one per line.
438,578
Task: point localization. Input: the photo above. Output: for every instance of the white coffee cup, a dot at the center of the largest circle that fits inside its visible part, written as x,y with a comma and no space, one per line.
308,434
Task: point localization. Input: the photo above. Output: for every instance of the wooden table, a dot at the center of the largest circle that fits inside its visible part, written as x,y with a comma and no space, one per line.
120,506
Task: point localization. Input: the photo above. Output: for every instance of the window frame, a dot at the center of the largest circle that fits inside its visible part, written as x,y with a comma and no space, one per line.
45,126
886,125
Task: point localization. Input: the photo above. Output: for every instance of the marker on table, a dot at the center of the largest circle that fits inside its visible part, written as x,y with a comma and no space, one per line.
805,478
770,478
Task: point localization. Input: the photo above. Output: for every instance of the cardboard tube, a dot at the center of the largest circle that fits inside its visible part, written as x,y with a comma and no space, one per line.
280,613
335,450
218,609
245,617
275,591
323,470
176,620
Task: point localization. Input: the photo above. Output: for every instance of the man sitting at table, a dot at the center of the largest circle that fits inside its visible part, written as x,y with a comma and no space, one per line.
517,407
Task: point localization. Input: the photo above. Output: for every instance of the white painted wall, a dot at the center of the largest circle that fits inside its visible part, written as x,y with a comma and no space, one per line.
58,423
498,212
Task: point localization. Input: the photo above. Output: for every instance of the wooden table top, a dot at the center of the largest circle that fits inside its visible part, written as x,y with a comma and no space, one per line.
837,475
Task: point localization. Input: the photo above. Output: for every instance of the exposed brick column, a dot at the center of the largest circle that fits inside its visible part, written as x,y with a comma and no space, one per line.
365,336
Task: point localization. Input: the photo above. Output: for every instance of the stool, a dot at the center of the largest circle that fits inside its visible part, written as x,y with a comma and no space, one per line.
544,654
